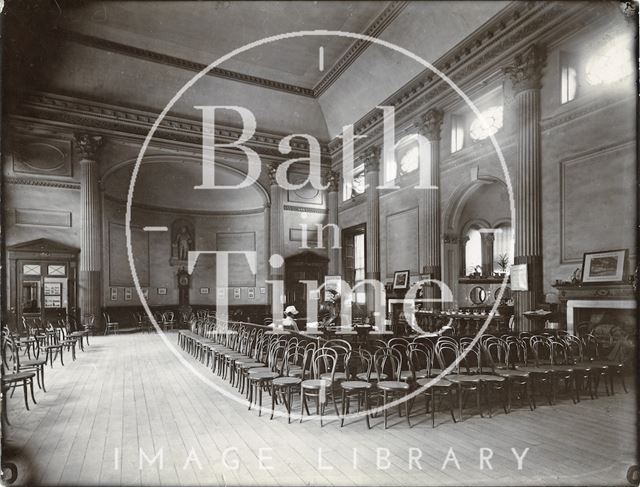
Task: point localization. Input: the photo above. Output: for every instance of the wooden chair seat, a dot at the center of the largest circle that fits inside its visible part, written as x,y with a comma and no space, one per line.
393,385
352,385
260,376
286,381
440,383
461,378
338,376
17,377
373,376
252,365
316,383
257,370
491,378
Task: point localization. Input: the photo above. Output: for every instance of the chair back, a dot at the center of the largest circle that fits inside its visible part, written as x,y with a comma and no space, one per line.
324,361
447,353
387,362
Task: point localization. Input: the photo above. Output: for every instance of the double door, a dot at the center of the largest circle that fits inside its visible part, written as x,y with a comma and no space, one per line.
45,291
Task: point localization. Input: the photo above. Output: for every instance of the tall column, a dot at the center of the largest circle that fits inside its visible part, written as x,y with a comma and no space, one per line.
372,238
429,125
526,75
90,278
333,178
276,238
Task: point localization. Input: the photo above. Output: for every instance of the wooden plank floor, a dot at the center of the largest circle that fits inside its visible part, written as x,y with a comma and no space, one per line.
129,394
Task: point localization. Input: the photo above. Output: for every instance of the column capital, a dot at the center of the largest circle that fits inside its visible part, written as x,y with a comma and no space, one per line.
273,167
333,180
450,238
430,123
526,70
487,236
371,158
87,146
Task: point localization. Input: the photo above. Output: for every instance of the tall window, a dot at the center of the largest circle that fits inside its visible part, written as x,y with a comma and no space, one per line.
457,133
568,77
353,255
355,186
611,63
472,251
493,119
407,158
503,244
359,270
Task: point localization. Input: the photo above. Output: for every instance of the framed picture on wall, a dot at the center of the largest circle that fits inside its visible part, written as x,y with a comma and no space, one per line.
401,280
113,293
251,293
162,290
263,290
604,266
145,292
128,294
204,290
236,293
221,292
52,289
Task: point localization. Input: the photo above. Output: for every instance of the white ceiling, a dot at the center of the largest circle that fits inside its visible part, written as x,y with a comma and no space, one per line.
205,31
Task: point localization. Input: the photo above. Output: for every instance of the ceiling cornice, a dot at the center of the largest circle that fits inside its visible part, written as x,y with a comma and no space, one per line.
474,60
74,113
388,15
156,57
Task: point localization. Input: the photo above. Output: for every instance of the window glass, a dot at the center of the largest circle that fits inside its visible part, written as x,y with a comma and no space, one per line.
359,251
568,80
31,269
473,251
503,245
56,270
410,160
457,133
356,186
493,118
611,63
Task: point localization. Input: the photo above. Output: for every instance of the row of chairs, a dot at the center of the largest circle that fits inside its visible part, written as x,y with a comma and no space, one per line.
255,361
24,356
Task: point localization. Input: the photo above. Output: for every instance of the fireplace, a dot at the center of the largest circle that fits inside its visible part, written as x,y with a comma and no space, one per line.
601,304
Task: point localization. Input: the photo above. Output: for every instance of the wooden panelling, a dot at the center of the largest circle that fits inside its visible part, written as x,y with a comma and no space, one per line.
42,218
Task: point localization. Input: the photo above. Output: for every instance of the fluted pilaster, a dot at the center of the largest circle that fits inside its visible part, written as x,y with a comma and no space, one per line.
429,125
372,239
276,239
90,272
333,178
526,75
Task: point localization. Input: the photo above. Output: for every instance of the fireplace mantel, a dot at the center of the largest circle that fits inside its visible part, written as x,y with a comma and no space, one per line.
594,291
597,296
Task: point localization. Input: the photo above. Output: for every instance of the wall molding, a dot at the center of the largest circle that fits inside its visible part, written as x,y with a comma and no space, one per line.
580,158
480,55
322,211
40,108
375,28
48,183
34,217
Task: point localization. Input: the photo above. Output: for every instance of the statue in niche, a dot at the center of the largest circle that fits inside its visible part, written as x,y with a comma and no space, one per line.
183,240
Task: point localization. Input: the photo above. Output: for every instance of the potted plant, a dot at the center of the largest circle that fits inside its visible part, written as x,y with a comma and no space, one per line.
503,263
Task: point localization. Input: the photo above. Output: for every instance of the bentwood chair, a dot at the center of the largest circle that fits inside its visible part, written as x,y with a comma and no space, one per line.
434,389
355,363
500,354
449,353
387,363
605,369
109,325
10,380
19,365
323,361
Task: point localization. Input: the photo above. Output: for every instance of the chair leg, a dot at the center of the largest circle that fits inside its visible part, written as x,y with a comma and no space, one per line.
366,407
303,403
31,387
273,400
344,410
408,410
24,389
384,408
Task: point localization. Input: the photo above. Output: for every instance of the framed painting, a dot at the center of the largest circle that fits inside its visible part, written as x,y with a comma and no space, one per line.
401,280
608,266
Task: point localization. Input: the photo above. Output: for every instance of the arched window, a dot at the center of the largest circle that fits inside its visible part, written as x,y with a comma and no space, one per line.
503,246
472,251
407,158
493,118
